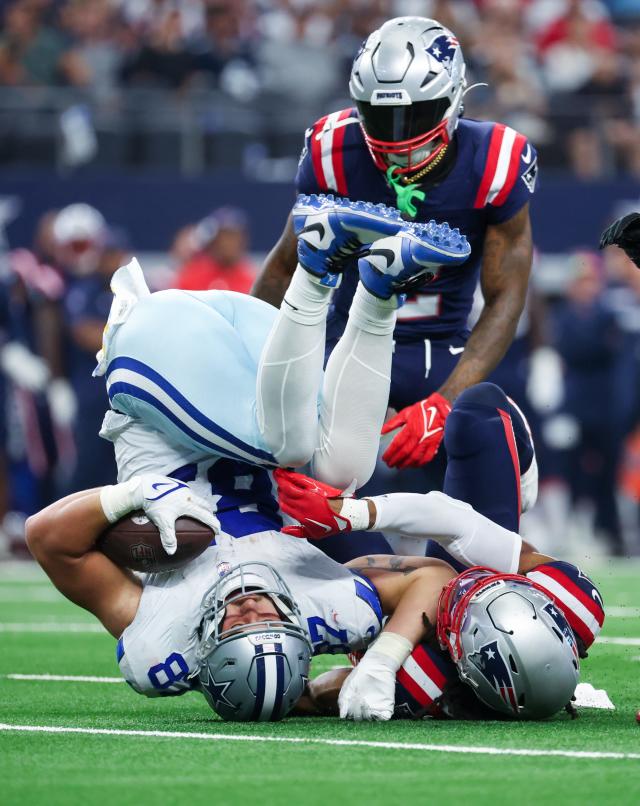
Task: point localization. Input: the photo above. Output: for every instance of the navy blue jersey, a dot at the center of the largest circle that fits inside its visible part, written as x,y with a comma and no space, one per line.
493,176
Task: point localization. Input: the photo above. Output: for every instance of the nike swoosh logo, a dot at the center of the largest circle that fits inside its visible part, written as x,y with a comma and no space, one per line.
455,350
176,485
388,254
321,525
597,597
429,416
526,157
317,227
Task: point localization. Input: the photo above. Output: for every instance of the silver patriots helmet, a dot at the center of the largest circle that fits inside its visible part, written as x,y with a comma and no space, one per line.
408,81
510,643
258,671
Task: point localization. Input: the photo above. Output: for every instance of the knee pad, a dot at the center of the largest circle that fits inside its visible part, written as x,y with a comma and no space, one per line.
483,394
466,430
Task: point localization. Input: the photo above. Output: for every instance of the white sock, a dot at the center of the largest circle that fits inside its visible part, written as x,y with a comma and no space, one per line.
305,301
372,314
355,393
290,372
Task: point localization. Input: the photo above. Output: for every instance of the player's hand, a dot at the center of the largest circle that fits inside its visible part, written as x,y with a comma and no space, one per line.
368,693
625,233
164,500
307,500
422,429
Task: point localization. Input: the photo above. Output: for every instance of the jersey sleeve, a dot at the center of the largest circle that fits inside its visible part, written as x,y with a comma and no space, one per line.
467,535
306,181
321,168
509,174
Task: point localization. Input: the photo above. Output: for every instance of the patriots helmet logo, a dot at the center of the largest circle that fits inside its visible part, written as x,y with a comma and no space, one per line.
443,50
494,669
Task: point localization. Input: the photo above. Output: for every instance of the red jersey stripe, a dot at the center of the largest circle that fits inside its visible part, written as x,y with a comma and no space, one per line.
490,168
421,657
418,694
512,173
567,583
316,153
513,450
337,155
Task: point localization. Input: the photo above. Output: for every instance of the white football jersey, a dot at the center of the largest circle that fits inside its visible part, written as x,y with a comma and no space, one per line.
157,652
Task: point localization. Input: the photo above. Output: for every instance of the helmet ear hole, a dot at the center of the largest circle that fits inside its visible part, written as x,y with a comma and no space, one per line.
513,665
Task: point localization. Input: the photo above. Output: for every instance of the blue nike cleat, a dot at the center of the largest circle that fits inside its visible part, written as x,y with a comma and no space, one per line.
411,258
330,230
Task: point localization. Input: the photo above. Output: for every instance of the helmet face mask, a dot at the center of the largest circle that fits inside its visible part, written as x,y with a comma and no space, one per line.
408,81
510,643
255,671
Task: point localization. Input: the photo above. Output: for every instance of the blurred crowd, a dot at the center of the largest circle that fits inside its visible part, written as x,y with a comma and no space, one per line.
574,368
564,72
54,302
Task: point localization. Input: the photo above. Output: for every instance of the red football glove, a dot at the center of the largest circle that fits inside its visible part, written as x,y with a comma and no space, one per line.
418,442
306,500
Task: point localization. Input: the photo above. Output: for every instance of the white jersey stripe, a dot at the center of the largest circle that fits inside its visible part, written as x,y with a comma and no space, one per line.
421,679
563,595
502,166
326,150
132,377
270,679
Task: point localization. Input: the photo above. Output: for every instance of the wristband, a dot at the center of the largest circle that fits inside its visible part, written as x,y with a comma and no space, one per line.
393,647
118,500
356,511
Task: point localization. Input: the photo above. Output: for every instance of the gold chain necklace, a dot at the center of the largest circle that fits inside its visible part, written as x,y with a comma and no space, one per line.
426,168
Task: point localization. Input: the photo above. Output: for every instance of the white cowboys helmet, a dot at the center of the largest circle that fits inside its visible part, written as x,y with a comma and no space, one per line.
408,81
510,643
253,672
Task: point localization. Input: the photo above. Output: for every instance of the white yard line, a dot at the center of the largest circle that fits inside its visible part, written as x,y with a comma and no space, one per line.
620,640
80,678
53,626
622,611
222,737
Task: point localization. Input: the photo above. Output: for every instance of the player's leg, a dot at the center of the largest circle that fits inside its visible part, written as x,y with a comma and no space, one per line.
357,378
355,393
356,386
488,449
290,371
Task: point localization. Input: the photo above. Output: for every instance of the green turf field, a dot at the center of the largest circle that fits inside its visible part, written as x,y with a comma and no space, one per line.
120,747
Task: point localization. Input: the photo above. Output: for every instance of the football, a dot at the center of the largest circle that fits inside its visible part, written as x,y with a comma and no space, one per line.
134,542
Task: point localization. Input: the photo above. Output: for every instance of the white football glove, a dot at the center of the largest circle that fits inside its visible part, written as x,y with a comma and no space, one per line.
163,500
369,691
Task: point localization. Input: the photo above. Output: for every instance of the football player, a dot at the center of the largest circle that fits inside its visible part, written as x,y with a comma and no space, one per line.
208,391
491,465
405,143
238,623
214,388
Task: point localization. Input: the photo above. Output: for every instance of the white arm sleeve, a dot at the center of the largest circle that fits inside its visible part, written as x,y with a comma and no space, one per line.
464,533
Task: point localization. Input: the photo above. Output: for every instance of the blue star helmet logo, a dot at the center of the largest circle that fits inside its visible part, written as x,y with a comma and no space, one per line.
217,691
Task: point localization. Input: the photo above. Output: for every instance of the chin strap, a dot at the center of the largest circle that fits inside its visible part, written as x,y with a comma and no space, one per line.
405,194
